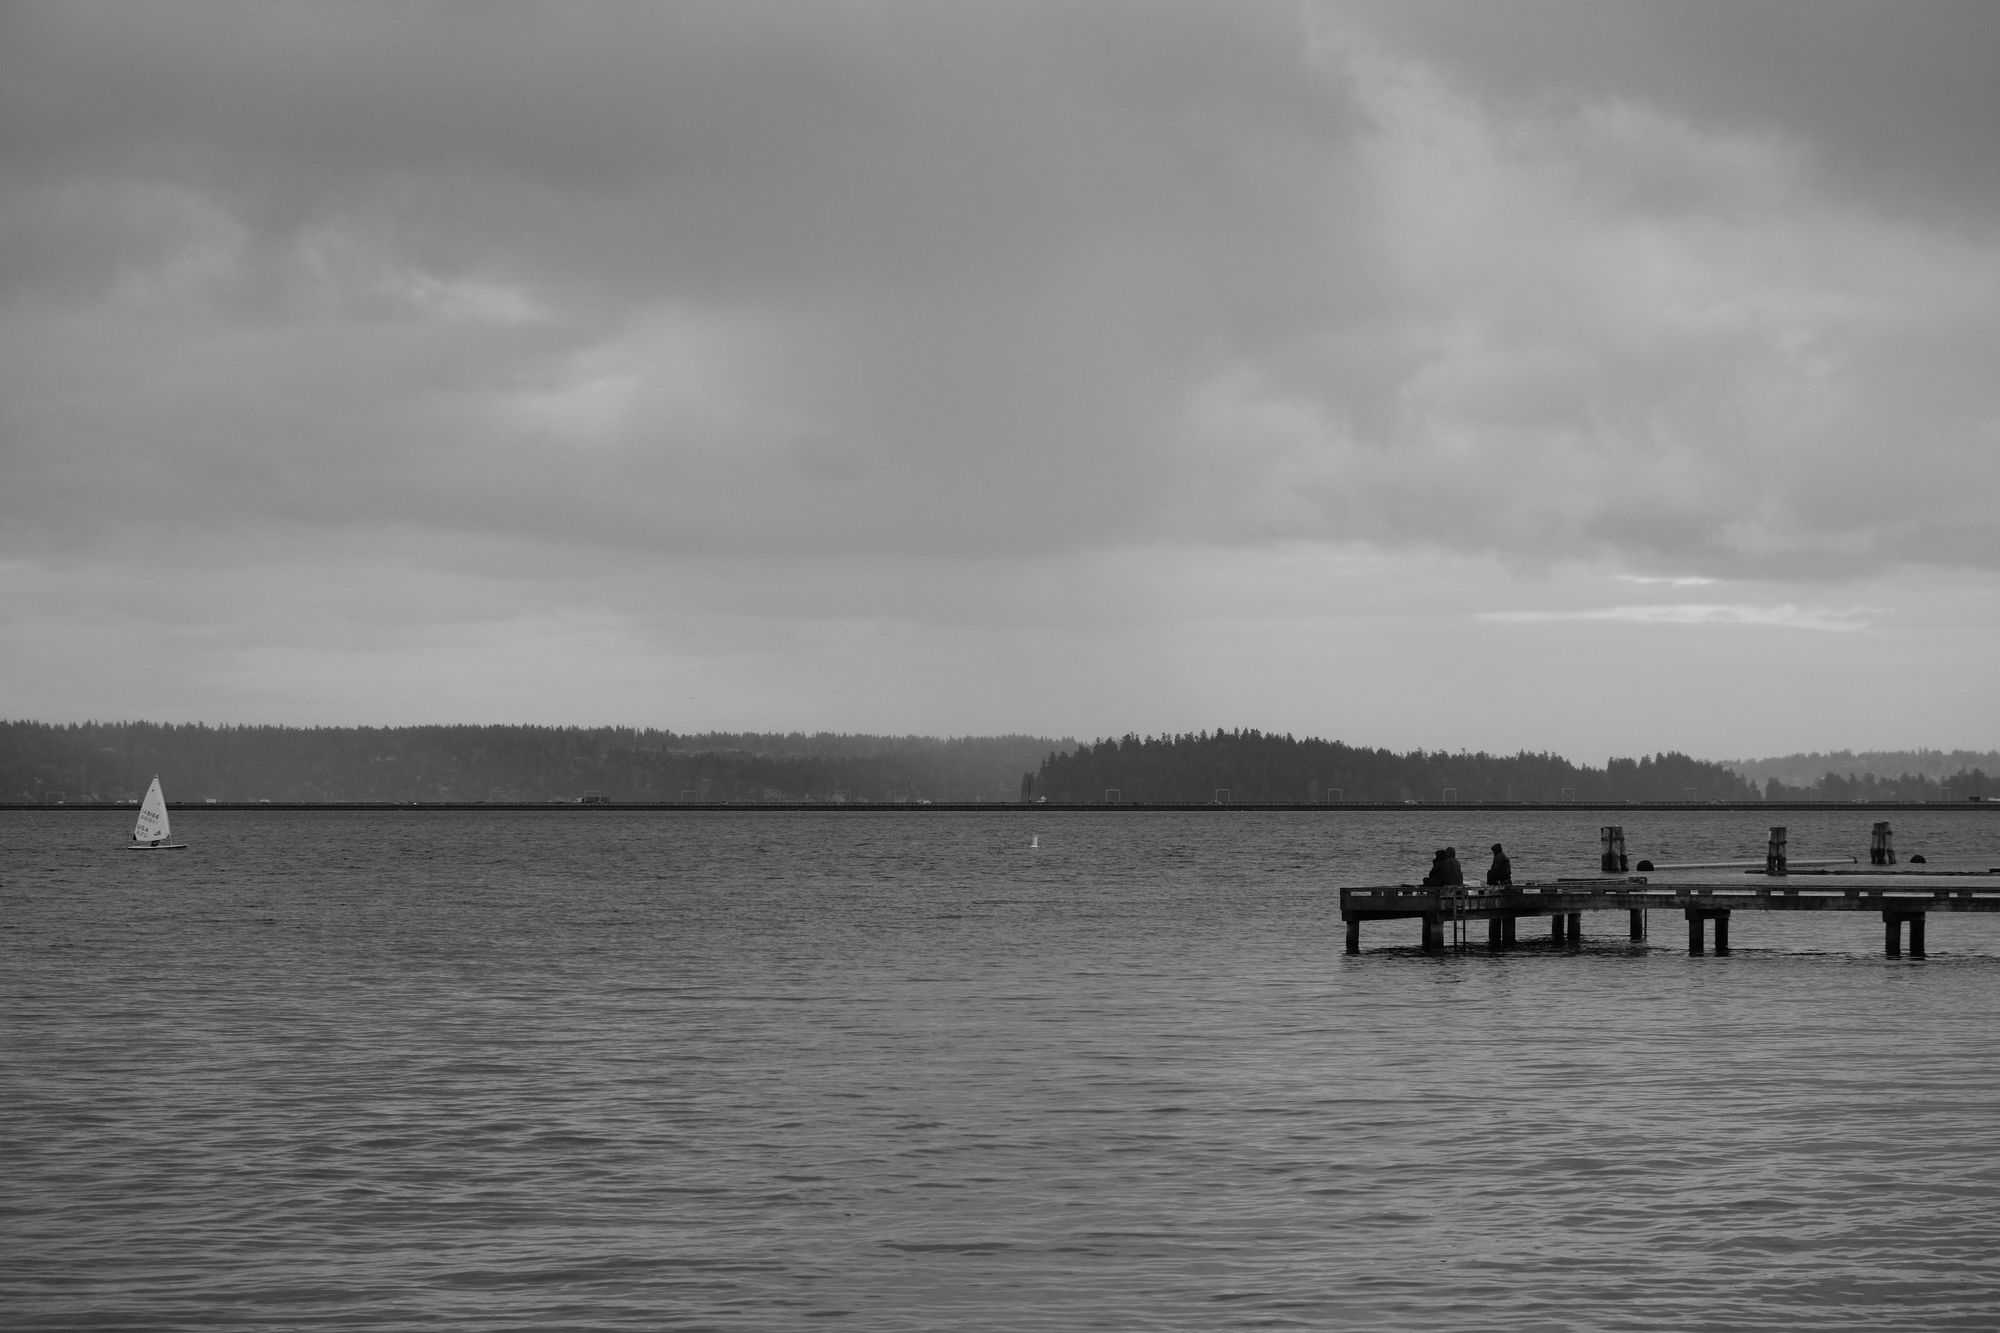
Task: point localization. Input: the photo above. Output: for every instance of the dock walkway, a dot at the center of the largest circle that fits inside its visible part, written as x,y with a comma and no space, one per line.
1902,897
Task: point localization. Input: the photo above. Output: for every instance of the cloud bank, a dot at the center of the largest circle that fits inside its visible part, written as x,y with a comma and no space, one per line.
437,314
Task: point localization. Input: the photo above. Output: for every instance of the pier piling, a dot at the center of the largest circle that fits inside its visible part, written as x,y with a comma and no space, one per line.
1696,916
1892,933
1882,845
1774,852
1638,924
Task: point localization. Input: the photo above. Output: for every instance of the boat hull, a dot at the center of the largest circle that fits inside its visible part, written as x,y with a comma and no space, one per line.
150,847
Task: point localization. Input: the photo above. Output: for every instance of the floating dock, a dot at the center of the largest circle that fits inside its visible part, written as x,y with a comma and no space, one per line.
1903,898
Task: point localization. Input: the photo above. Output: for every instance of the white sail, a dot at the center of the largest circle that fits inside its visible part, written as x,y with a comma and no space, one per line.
152,825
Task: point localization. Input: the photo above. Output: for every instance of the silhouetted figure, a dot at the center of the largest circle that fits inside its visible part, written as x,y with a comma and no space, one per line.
1444,870
1502,870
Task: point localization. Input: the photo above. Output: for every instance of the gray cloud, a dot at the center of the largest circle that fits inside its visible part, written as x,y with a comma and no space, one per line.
842,289
1897,101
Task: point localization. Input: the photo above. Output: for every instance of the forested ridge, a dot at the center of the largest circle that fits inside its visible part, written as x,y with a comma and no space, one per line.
1252,766
81,762
40,762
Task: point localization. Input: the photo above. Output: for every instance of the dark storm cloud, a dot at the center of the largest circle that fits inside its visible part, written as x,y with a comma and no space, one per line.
1895,99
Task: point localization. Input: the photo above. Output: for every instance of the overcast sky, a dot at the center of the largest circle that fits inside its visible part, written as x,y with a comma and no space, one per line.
1596,377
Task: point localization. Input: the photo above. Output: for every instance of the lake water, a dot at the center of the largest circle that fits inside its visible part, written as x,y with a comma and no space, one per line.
903,1071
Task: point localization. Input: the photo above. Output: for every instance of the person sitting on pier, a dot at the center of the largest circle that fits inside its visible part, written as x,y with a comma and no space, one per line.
1502,870
1444,870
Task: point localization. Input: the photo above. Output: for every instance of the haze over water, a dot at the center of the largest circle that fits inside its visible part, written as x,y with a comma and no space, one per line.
900,1070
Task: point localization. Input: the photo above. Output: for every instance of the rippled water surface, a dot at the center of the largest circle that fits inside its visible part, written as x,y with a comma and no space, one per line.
596,1070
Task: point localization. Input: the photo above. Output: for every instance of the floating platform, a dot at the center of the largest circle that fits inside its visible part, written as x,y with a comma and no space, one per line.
1903,898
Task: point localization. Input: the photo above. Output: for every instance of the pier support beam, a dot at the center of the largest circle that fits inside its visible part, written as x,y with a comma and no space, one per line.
1638,924
1892,933
1575,929
1433,932
1496,934
1559,928
1507,932
1354,935
1696,916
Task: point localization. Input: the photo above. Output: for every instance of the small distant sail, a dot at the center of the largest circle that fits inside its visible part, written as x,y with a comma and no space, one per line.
1036,841
152,825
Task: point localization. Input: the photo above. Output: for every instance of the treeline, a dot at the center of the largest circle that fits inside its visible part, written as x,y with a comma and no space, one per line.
42,762
1968,784
1798,772
1251,766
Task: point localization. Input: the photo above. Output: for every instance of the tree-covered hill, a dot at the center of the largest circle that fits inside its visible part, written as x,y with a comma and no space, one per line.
1255,767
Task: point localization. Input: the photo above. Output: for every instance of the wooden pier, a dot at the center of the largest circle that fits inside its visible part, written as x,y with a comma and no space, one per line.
1903,898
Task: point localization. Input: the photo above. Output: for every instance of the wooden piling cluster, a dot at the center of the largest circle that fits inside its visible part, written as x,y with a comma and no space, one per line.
1882,845
1611,857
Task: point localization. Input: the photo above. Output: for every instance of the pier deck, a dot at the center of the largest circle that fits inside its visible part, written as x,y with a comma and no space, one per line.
1901,897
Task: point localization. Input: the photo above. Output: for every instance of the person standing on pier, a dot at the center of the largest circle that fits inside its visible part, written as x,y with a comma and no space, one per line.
1502,870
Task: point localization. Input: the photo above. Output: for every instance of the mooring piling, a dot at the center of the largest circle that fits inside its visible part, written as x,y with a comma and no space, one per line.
1611,860
1881,845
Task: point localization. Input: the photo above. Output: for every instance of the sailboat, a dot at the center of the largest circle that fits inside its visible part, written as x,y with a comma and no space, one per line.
151,833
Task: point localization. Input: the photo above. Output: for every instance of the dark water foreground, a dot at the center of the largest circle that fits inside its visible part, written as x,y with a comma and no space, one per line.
592,1070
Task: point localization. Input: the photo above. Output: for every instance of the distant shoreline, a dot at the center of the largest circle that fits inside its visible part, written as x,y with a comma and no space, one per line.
995,807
